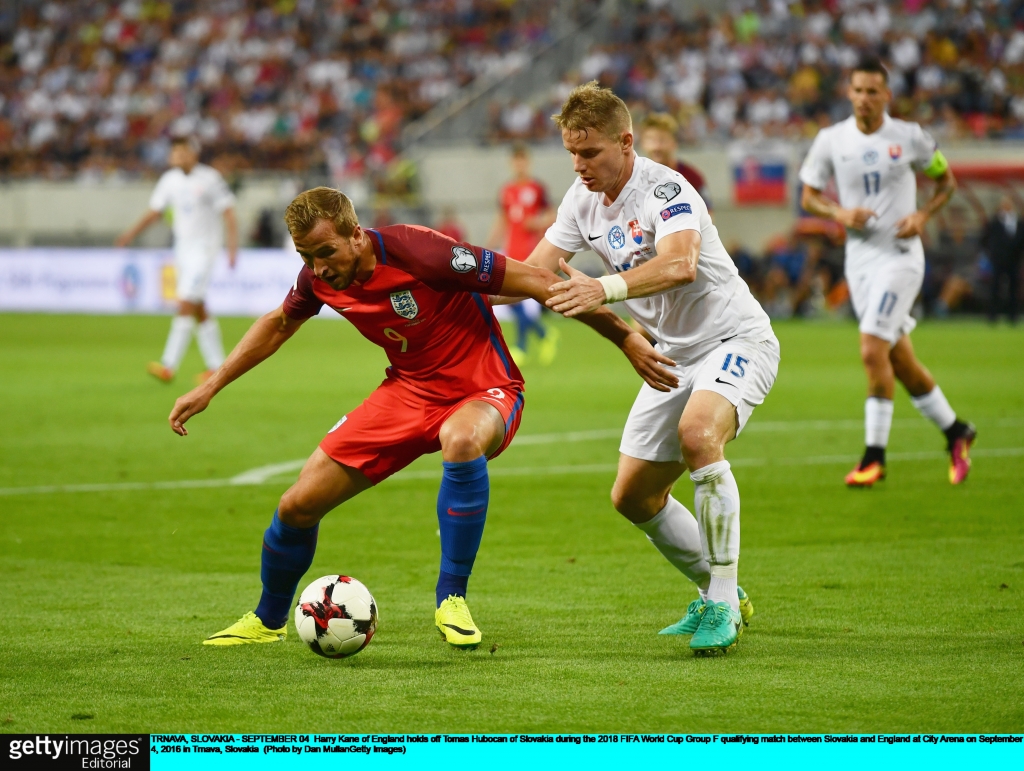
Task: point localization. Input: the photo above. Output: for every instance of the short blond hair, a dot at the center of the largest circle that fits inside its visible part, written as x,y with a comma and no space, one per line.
320,203
592,107
661,121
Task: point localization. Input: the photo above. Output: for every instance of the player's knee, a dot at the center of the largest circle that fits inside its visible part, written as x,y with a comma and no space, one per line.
874,356
459,445
294,511
697,440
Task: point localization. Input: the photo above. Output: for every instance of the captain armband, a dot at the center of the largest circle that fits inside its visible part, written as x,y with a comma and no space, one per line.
937,166
615,289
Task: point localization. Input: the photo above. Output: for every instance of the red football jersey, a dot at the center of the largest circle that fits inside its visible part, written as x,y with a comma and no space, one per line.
520,201
423,306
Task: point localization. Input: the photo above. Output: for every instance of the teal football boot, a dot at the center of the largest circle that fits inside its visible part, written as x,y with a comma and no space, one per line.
688,624
720,628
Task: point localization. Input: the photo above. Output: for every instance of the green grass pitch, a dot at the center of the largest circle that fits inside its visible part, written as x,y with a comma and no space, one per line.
892,609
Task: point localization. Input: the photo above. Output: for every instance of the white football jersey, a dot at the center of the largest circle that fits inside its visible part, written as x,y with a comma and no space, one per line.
198,201
873,171
656,202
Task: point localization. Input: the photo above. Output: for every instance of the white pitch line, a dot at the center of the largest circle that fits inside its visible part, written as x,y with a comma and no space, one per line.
498,471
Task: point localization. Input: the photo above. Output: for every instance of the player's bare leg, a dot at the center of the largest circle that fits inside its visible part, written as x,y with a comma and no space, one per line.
289,545
468,437
929,400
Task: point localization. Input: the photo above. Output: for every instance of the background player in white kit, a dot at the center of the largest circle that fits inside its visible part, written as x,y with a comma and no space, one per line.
874,158
667,262
199,200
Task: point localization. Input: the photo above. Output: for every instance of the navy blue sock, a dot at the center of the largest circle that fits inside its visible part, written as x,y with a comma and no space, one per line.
287,554
461,513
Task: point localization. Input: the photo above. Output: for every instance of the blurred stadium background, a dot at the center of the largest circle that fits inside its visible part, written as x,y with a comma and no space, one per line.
410,107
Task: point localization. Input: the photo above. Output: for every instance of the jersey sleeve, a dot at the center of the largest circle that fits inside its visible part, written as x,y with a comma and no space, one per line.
221,196
817,168
672,206
440,262
922,147
301,303
161,197
564,231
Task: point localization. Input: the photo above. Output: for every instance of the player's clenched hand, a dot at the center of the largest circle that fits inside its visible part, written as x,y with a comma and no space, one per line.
646,361
912,225
580,294
854,218
192,403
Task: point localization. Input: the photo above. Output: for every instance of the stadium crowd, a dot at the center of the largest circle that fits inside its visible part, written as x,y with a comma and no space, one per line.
778,68
97,88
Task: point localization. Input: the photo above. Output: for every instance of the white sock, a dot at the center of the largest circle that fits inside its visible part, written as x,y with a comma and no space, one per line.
933,405
210,345
877,421
717,501
177,341
674,533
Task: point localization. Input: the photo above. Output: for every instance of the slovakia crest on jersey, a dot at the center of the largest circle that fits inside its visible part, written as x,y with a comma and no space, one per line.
404,304
636,232
616,237
895,152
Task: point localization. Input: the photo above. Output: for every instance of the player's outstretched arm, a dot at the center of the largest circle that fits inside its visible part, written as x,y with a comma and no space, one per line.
133,232
262,340
638,349
675,265
231,235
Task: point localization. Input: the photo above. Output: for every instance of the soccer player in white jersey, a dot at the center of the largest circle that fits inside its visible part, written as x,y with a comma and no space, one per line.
199,200
667,262
874,159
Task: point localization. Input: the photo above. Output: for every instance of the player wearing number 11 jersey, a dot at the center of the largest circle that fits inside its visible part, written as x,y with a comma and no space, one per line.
874,159
452,386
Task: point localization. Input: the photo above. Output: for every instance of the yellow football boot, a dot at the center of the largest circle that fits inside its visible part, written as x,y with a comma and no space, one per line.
867,476
455,623
247,630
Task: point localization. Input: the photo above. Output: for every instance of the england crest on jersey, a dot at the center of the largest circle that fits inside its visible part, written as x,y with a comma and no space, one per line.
404,304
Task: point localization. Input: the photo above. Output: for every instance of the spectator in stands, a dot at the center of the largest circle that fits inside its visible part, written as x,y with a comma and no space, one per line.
952,265
1003,240
658,132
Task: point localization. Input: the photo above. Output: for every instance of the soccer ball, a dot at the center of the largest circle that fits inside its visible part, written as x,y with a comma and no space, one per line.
336,616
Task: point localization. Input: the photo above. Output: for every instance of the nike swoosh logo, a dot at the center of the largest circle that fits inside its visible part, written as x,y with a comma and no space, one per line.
726,340
463,513
717,380
593,238
467,632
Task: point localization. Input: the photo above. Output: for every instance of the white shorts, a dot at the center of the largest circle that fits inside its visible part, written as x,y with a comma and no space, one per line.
741,370
193,267
883,292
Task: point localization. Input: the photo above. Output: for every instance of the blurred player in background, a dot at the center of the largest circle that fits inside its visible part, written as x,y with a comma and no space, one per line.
450,225
668,265
523,215
199,200
874,159
451,387
658,132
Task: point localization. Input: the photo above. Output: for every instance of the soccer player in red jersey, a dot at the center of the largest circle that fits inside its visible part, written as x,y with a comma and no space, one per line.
524,213
451,386
658,141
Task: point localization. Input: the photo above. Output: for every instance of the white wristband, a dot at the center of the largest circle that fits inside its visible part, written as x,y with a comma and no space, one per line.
615,289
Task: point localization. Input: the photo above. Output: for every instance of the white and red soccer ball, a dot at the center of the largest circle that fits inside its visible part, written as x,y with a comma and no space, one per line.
336,616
